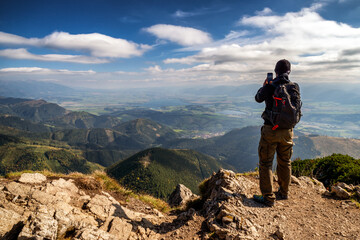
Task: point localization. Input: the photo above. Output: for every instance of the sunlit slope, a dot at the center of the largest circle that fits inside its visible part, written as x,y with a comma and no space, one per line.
21,154
157,171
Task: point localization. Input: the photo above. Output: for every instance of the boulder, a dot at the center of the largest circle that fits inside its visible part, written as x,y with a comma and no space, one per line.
9,219
43,197
313,183
306,181
101,206
66,185
94,234
120,227
340,192
319,186
64,217
18,189
357,191
181,196
40,226
345,186
32,178
295,180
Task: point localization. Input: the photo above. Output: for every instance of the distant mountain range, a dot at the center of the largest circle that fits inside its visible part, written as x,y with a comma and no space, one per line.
36,90
32,110
239,147
105,139
313,91
187,118
38,135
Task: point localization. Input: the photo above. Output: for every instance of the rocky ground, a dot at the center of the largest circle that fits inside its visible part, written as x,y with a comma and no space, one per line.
36,207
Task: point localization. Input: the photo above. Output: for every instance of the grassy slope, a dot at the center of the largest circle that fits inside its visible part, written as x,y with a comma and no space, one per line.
22,154
157,171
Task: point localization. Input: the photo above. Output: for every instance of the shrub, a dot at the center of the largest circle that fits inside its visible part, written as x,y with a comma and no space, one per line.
330,169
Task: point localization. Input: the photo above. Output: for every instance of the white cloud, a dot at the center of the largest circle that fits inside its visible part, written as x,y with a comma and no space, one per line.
184,36
22,53
98,45
265,11
320,50
154,69
317,47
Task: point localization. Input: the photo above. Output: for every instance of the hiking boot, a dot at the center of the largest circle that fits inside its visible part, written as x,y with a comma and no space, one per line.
280,196
263,200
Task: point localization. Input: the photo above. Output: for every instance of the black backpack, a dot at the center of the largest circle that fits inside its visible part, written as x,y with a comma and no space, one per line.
284,112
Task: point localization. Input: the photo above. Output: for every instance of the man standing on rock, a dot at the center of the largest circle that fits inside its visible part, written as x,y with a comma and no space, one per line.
282,112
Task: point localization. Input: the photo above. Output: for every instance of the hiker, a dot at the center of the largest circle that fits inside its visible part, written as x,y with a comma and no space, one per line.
282,112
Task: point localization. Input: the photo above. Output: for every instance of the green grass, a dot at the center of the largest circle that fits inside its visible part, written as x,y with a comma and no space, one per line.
38,156
46,173
330,169
250,173
158,171
112,185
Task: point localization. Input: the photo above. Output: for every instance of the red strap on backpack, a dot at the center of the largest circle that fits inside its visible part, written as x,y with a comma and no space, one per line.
276,98
275,127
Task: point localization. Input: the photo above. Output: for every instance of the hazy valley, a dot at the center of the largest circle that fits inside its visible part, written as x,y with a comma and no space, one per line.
216,127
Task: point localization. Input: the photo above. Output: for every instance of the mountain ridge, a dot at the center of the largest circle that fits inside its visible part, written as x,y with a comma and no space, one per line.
157,171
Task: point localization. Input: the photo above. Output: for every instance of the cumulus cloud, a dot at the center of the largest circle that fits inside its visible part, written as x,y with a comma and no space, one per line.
317,47
184,36
22,53
98,45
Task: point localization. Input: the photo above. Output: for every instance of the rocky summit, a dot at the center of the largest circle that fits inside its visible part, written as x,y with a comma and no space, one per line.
39,207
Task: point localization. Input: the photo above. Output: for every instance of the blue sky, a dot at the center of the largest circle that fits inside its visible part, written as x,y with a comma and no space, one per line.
116,44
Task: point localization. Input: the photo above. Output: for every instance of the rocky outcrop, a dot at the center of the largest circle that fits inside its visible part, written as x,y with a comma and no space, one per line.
232,214
37,208
66,208
225,195
181,196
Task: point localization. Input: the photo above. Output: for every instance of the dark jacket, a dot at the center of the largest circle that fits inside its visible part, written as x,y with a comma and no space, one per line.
266,92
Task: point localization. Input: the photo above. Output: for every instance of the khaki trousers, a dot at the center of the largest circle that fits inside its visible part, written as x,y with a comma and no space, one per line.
281,142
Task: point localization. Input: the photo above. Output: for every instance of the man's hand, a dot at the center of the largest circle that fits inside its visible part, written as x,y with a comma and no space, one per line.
267,82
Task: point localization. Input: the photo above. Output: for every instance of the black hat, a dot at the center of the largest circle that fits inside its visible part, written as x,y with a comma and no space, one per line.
283,66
